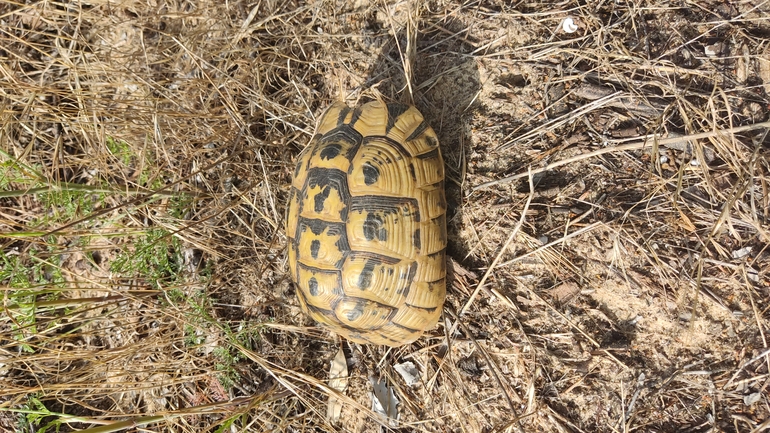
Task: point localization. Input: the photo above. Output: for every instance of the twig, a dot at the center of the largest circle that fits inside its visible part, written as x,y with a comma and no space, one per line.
587,108
550,244
502,250
622,148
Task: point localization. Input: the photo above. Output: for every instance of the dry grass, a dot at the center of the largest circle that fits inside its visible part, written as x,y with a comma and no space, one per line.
146,150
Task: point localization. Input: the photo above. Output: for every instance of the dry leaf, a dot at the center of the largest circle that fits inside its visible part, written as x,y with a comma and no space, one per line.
685,222
338,379
384,401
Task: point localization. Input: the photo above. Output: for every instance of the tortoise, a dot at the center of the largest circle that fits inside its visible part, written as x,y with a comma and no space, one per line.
366,224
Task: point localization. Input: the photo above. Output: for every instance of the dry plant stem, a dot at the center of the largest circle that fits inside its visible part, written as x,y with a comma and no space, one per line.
562,120
629,412
223,407
411,53
762,427
579,232
407,56
503,249
494,369
285,376
622,148
730,202
764,354
64,186
575,327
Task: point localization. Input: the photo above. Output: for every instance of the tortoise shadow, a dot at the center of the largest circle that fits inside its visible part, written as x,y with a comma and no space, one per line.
445,84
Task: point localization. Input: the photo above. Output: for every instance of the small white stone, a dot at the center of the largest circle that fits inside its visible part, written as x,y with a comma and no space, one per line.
753,275
663,159
408,372
741,253
750,399
569,26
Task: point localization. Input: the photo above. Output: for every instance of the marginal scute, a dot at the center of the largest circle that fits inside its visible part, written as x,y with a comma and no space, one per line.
425,294
416,318
292,260
300,172
405,125
292,215
330,118
433,235
372,120
427,169
432,199
422,143
395,335
431,267
366,224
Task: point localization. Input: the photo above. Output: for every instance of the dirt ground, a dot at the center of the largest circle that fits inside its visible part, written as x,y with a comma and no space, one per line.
609,213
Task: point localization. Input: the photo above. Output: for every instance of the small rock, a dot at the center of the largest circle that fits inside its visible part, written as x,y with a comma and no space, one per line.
750,399
569,26
408,372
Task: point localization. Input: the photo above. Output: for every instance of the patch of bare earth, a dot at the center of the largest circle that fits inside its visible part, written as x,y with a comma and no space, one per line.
608,221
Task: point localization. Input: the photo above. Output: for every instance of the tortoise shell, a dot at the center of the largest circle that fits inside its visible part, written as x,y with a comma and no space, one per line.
367,224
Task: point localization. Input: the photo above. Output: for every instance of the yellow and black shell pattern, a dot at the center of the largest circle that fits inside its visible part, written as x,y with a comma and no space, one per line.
366,224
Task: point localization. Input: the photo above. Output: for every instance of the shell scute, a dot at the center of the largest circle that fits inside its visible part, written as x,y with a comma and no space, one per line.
366,224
